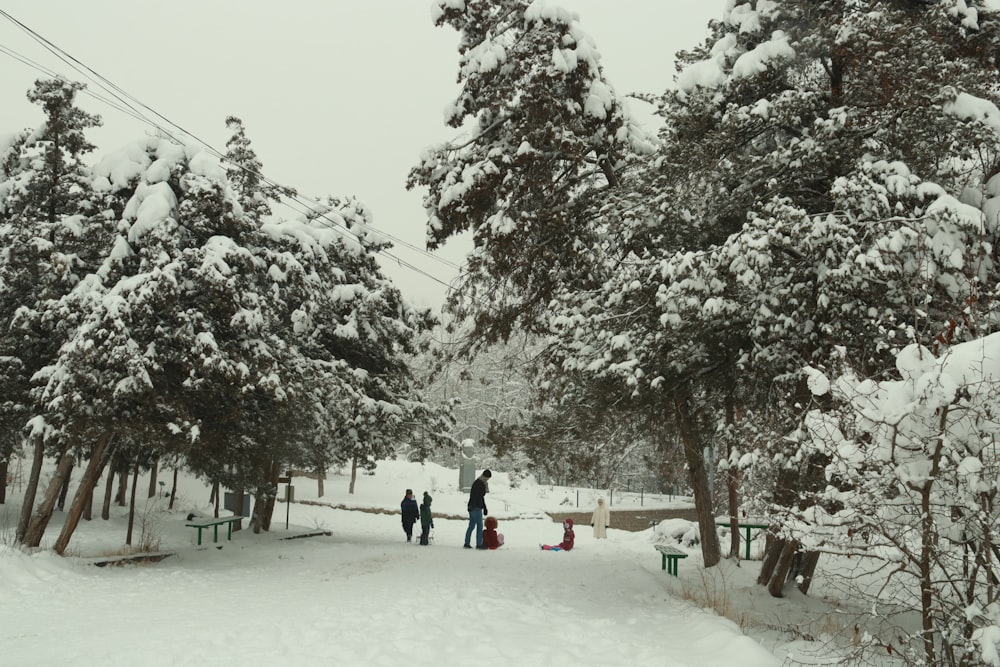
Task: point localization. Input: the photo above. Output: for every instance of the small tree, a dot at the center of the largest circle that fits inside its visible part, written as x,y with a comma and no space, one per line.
912,491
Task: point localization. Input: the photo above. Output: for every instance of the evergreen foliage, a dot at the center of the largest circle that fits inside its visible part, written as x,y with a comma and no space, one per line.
157,310
823,194
547,140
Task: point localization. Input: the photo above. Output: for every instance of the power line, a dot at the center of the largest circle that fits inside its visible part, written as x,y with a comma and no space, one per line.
6,50
127,108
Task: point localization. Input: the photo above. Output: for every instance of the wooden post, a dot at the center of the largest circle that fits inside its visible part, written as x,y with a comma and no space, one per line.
131,503
173,491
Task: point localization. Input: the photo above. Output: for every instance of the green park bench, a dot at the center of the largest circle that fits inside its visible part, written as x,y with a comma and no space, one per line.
201,523
670,557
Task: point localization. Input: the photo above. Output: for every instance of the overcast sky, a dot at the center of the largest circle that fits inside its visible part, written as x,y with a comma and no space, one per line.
338,96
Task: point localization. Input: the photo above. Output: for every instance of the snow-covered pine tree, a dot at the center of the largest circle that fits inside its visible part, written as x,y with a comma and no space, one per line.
545,143
246,177
791,107
54,231
773,114
354,333
866,142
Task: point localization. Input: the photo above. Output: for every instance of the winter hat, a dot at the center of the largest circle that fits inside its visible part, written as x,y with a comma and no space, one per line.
567,523
491,522
487,473
427,498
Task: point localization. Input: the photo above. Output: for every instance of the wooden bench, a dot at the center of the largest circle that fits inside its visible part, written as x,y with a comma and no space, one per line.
670,557
201,523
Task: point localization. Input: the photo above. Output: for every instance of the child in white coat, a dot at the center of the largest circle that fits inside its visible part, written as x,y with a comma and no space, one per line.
601,519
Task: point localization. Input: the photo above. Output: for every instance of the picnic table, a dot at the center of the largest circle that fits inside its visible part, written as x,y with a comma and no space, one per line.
748,524
201,523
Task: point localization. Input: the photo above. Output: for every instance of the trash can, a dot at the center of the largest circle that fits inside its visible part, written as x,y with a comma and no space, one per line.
229,503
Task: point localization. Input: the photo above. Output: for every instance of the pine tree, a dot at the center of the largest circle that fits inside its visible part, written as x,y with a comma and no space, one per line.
53,231
792,223
245,174
548,140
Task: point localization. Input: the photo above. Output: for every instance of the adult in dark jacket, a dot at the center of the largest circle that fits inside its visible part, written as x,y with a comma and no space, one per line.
477,509
426,520
411,512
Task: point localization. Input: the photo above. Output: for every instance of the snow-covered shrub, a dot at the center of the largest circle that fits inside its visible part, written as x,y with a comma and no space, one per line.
912,481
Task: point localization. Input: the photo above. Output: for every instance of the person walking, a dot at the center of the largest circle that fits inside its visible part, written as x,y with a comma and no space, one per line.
601,519
426,520
411,512
477,509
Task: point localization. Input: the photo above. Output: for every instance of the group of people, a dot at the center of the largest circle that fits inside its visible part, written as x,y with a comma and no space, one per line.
411,512
486,533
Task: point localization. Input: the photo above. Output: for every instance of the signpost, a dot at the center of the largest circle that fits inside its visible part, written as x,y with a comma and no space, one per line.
289,490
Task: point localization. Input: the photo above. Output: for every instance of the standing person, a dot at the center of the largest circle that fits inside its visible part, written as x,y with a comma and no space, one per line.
568,538
426,520
477,509
601,519
411,512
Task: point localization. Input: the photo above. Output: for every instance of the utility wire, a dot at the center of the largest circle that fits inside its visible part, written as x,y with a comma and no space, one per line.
127,108
6,50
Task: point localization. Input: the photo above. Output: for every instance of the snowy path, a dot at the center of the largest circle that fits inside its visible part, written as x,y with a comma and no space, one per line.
365,597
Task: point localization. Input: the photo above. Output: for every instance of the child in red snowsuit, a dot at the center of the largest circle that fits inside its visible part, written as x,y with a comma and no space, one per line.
491,538
567,541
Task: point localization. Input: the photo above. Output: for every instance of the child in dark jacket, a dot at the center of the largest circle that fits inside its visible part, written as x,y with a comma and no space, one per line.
491,538
567,541
426,520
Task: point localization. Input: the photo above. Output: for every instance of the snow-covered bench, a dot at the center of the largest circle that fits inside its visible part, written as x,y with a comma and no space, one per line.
670,556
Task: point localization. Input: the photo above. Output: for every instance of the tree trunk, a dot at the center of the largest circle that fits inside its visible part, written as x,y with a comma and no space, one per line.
776,585
319,483
693,454
64,491
109,485
88,504
173,491
928,539
152,478
354,475
40,519
267,511
772,551
122,483
732,485
106,461
213,497
238,496
31,490
4,471
131,504
809,561
256,513
84,493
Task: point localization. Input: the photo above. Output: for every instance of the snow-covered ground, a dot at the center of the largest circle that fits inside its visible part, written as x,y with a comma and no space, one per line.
364,596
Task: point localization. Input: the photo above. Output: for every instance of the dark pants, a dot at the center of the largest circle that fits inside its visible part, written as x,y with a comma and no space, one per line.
408,529
424,534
